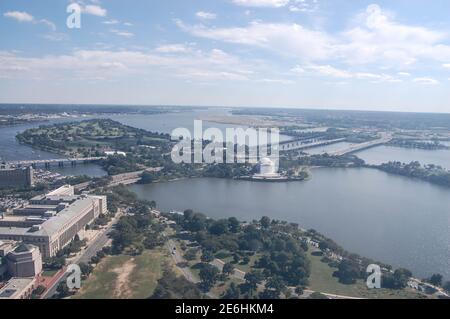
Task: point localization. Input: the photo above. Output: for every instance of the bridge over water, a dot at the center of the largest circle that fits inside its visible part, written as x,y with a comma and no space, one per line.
59,161
361,146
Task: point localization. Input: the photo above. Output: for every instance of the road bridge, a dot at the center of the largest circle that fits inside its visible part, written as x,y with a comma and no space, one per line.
362,146
59,161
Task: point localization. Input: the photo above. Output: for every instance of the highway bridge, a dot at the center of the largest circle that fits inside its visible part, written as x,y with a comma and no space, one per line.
361,146
300,145
59,161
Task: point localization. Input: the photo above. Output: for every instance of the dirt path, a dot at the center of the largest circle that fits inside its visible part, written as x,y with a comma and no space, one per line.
123,289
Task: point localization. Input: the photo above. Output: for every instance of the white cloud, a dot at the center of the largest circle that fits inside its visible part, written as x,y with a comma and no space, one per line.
304,6
19,16
262,3
374,38
206,15
426,80
54,36
48,23
328,70
94,10
26,17
378,38
333,72
194,65
447,65
287,39
111,21
173,48
124,34
276,81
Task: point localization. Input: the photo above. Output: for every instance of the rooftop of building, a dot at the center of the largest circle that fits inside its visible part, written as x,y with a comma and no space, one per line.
59,198
15,286
23,248
63,190
6,167
53,224
5,244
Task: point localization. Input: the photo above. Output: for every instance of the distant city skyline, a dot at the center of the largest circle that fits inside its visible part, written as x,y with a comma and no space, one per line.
336,54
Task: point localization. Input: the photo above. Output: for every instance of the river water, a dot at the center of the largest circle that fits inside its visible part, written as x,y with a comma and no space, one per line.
383,154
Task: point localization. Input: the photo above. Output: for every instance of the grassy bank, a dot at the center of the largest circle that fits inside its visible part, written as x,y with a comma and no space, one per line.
124,276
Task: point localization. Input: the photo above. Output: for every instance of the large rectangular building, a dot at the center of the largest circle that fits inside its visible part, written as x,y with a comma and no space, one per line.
16,177
56,224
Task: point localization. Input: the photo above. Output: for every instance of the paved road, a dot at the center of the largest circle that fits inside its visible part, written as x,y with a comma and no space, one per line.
187,273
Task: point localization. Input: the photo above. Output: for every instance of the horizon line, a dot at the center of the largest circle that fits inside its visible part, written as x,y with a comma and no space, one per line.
231,106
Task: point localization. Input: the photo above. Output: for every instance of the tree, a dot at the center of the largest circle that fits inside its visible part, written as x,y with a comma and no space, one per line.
190,254
85,269
274,287
233,224
172,287
38,291
348,271
188,214
62,290
196,222
397,280
265,222
228,268
147,178
435,279
232,292
219,227
207,256
246,260
253,279
152,240
299,290
55,262
208,275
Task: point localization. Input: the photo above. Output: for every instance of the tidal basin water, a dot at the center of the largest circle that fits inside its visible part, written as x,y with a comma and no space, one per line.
392,219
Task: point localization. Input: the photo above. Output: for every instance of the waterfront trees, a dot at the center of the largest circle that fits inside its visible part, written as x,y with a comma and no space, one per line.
208,275
435,279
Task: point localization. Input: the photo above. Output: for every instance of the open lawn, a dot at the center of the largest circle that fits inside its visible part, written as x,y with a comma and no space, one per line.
123,276
322,280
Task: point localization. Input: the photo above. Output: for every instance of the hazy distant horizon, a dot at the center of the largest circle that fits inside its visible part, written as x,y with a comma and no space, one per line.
226,106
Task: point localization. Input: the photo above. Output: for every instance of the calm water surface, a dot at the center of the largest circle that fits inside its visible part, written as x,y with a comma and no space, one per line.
383,154
393,219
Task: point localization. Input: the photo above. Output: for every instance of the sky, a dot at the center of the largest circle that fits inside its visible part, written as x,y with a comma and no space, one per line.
335,54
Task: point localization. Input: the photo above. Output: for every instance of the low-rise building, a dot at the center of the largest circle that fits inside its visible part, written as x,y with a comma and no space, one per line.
24,261
18,288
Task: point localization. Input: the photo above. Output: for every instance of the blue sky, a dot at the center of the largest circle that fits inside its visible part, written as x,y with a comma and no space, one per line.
384,55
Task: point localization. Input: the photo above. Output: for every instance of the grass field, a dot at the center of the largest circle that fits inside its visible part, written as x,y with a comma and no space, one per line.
123,276
49,272
322,280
